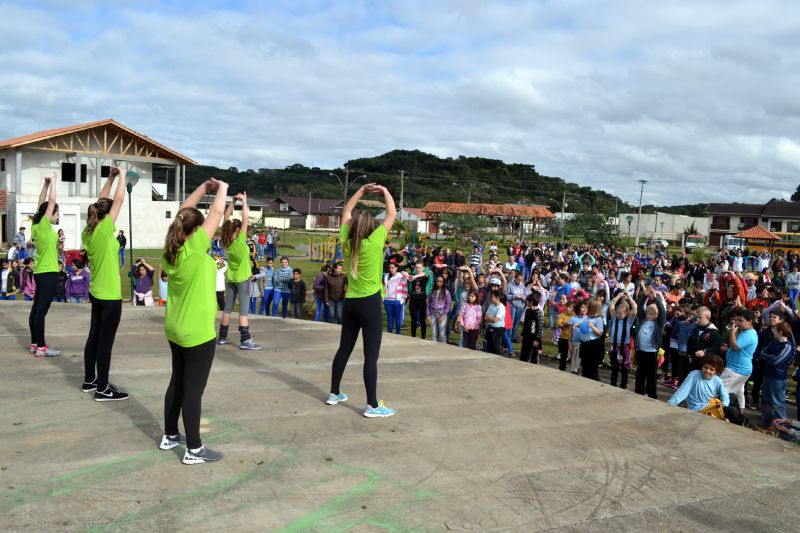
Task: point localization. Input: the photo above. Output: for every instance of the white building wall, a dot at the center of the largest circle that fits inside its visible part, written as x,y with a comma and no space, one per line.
150,219
650,226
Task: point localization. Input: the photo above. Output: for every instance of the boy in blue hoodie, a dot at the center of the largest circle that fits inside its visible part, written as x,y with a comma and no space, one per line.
776,358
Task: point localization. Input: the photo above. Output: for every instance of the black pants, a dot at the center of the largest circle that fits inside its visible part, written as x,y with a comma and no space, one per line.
563,353
646,373
190,369
419,313
102,331
471,339
758,380
494,339
360,314
221,300
682,369
591,355
42,298
618,370
674,364
528,352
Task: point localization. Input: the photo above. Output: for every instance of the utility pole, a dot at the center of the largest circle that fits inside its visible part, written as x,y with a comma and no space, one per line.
563,205
402,176
639,218
346,183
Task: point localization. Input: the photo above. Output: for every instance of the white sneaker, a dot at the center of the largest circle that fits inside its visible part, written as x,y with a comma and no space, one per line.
333,399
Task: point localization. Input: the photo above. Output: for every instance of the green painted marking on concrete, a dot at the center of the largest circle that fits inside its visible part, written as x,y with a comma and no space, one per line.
92,475
385,519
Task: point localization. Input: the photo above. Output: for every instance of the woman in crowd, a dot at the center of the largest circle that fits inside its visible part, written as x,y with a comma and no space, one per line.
45,270
396,290
76,288
105,292
362,239
143,289
282,293
189,320
234,240
319,294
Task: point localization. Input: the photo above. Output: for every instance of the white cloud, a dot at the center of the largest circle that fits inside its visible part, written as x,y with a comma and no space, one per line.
698,98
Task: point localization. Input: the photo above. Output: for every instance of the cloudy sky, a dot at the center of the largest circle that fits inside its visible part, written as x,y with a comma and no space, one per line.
699,97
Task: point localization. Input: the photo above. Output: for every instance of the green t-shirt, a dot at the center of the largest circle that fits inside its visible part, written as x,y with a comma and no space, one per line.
192,302
370,263
103,250
238,260
45,238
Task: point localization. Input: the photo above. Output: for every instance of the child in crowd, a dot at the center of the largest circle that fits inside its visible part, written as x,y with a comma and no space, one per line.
648,340
564,325
621,315
163,282
297,288
532,329
776,358
701,386
469,320
581,309
8,284
61,284
77,286
265,274
252,286
495,322
281,292
438,307
222,267
27,283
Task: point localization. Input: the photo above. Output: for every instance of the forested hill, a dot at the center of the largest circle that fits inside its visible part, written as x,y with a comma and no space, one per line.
427,178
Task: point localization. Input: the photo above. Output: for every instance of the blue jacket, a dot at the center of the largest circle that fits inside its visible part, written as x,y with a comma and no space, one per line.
776,357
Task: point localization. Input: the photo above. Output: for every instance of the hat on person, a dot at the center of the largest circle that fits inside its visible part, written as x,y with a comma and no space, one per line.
749,276
495,281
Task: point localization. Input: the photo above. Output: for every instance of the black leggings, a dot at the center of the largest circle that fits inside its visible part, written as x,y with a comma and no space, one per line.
190,369
418,311
563,353
591,354
360,314
646,373
45,290
103,330
618,369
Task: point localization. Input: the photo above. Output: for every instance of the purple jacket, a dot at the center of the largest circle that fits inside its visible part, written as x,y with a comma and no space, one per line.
78,284
319,285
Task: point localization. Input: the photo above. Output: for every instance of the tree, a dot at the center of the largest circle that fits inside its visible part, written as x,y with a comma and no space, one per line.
796,196
465,228
593,227
691,230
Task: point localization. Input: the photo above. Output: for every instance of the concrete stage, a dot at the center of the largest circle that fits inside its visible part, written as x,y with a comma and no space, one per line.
479,443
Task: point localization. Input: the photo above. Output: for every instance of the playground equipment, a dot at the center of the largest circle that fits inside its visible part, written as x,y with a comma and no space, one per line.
322,250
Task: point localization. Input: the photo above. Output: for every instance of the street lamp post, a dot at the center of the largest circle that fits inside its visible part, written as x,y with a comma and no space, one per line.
662,230
131,179
629,218
346,183
639,219
471,187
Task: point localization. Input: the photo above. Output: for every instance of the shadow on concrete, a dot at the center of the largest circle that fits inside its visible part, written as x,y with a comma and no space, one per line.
312,390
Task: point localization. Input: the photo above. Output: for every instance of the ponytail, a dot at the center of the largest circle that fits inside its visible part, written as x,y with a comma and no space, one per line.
97,212
226,234
185,223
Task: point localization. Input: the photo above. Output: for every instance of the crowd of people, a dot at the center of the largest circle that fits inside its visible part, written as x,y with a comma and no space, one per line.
705,328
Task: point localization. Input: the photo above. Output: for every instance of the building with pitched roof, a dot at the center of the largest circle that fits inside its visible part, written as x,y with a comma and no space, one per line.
511,217
307,212
728,219
81,157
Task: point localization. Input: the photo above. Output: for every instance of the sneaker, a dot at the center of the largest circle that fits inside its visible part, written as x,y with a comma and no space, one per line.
204,455
110,394
333,399
89,386
378,412
47,351
167,442
249,344
222,340
32,349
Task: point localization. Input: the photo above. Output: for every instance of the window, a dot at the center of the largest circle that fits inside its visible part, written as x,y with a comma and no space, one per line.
68,172
776,225
720,222
793,226
747,222
105,171
3,164
284,207
167,214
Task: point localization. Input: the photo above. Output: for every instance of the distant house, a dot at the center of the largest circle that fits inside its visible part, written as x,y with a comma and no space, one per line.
81,157
307,212
257,207
728,219
511,217
412,217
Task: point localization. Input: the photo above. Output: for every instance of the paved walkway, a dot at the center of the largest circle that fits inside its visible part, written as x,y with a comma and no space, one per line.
480,443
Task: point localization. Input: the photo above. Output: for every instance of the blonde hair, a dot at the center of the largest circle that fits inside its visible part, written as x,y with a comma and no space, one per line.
361,226
97,212
185,223
595,308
